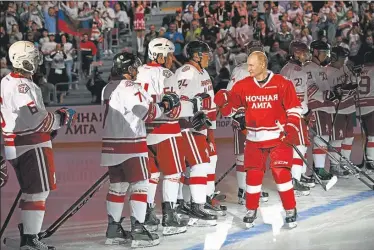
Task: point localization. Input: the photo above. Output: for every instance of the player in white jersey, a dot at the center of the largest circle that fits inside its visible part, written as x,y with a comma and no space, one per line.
319,102
239,73
125,152
293,70
193,80
365,108
26,127
164,137
343,85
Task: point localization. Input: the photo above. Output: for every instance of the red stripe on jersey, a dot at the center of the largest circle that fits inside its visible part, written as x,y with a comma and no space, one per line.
22,140
318,151
164,128
346,147
32,205
124,147
370,145
139,197
297,161
366,102
212,114
115,198
198,180
123,139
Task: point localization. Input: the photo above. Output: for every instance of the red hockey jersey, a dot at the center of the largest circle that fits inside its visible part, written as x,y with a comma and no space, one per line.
275,100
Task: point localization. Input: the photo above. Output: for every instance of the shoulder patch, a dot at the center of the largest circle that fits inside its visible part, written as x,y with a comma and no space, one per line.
23,88
167,73
186,68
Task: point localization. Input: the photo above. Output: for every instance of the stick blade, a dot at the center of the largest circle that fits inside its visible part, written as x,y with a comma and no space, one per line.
331,183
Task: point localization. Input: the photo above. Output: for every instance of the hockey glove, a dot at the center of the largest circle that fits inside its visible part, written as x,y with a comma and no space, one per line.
238,120
290,134
200,121
53,134
334,96
201,101
169,102
3,172
310,118
68,116
222,100
346,89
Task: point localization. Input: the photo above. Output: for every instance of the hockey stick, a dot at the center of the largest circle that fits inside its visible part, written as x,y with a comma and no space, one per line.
326,186
71,211
225,174
11,211
352,169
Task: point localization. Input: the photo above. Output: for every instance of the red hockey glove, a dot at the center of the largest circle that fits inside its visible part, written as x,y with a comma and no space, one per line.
201,101
222,100
290,134
3,172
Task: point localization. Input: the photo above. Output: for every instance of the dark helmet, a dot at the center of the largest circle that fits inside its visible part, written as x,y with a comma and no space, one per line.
124,63
196,47
369,57
339,52
298,46
254,45
318,46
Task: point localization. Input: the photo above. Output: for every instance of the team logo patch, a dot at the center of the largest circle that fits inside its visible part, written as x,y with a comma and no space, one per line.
167,73
23,88
187,68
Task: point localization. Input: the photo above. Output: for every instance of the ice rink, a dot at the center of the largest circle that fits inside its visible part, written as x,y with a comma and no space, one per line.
341,219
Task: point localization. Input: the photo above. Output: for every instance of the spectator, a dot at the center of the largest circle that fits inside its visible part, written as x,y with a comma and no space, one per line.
68,50
228,35
50,22
47,49
277,57
221,59
96,33
108,16
161,32
58,72
284,37
15,35
181,25
244,33
306,37
35,15
139,23
121,17
194,33
294,11
44,38
4,42
354,36
188,16
148,37
210,33
10,18
347,23
273,19
88,52
35,31
4,70
178,40
314,26
263,34
222,14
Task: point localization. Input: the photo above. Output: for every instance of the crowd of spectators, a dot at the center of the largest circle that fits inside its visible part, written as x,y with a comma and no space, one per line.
227,26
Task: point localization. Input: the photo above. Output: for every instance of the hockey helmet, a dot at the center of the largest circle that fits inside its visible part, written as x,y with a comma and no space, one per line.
198,47
25,56
297,47
159,46
254,45
339,52
318,46
125,63
369,58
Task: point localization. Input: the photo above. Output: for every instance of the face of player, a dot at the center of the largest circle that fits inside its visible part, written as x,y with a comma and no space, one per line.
204,60
255,67
302,56
169,60
322,55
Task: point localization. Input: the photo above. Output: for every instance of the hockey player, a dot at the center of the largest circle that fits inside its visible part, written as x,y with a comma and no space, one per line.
239,73
343,87
3,172
125,152
257,103
293,70
365,108
26,126
164,137
193,80
319,102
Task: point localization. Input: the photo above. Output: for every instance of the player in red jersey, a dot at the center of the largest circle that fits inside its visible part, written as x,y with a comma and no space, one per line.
256,103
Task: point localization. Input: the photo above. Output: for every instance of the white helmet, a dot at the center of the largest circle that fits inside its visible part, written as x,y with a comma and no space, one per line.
159,46
24,55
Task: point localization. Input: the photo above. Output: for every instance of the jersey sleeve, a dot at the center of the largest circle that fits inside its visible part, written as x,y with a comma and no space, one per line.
290,101
31,113
184,80
237,96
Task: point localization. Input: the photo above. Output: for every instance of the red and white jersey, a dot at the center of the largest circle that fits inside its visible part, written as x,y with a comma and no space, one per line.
275,100
157,80
124,132
299,79
192,82
108,90
318,85
366,90
342,76
238,73
25,122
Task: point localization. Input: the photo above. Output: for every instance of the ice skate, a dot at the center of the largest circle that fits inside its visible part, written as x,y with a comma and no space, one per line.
241,196
141,237
32,242
249,218
323,174
368,168
299,189
115,234
218,196
215,206
307,181
151,221
171,222
339,171
291,216
201,217
183,210
264,197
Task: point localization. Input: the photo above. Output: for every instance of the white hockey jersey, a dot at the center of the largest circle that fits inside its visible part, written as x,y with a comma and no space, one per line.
108,90
238,73
366,91
124,132
299,79
317,84
156,81
192,82
343,76
25,122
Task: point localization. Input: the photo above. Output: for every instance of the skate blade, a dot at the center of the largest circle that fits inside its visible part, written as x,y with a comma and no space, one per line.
116,241
302,193
264,199
167,231
221,213
331,183
309,185
144,243
291,225
151,228
249,225
195,222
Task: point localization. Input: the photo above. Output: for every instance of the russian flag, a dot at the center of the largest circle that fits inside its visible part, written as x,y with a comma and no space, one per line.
75,27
